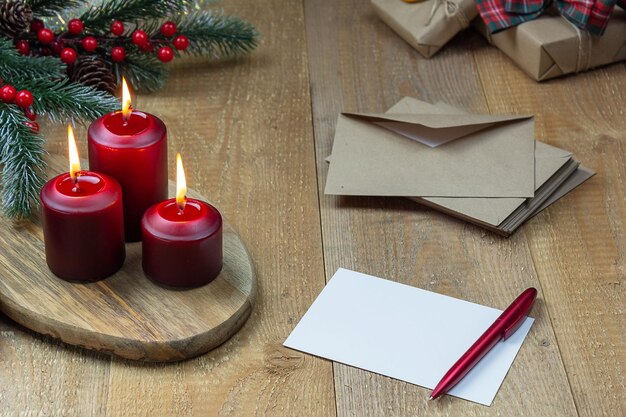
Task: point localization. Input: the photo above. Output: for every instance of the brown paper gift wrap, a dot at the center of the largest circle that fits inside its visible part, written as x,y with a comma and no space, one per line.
428,25
550,46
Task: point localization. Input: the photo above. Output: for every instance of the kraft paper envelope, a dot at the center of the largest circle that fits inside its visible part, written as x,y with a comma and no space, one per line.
556,174
550,163
493,211
581,175
555,169
417,154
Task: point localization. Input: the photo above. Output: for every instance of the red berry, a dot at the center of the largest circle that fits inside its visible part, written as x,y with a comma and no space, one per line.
45,35
117,27
181,42
147,47
36,25
168,29
30,114
68,55
165,54
89,43
56,47
7,93
75,26
34,126
140,37
23,46
118,54
24,99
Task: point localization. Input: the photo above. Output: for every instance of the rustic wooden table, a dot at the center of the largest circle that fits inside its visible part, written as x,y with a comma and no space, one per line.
254,133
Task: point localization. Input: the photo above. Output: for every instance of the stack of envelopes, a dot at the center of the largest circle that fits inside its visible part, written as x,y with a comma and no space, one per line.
484,169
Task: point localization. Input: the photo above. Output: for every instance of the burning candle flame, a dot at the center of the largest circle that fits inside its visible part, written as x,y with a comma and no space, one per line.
74,160
181,184
127,109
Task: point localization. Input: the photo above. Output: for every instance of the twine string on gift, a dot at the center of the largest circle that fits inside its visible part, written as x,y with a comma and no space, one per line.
451,9
583,60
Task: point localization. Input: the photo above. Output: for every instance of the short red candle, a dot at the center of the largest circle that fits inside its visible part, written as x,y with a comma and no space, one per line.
182,248
83,226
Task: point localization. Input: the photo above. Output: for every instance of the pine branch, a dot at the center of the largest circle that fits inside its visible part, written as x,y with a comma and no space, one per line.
54,94
64,100
14,65
21,154
100,16
45,8
144,72
210,33
217,35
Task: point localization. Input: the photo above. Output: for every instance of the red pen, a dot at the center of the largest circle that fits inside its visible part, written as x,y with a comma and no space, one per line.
509,321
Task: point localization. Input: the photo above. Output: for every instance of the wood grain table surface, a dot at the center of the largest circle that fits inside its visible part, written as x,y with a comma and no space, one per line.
254,133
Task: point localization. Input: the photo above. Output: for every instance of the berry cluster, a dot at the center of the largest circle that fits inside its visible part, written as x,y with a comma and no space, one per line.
66,44
23,99
49,43
147,44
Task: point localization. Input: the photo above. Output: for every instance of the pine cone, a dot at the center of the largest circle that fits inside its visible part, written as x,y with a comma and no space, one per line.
15,17
93,71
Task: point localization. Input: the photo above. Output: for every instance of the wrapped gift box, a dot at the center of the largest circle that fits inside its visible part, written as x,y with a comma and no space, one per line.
550,46
428,25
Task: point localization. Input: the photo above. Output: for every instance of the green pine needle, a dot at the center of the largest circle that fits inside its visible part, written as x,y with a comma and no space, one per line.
100,16
211,34
217,35
64,101
14,65
143,72
21,155
47,8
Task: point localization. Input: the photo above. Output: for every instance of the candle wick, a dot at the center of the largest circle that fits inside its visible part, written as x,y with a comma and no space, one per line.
126,116
181,205
76,187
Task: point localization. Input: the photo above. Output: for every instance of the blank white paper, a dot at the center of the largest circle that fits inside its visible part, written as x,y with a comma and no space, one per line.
405,333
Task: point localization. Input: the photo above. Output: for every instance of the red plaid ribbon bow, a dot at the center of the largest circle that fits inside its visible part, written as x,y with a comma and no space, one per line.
590,15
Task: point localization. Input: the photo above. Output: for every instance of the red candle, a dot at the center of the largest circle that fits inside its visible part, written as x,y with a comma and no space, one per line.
83,223
131,146
182,239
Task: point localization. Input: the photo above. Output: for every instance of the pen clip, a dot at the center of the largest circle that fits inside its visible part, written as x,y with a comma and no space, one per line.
520,308
508,332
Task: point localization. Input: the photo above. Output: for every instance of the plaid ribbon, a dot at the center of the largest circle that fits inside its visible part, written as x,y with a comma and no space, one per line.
590,15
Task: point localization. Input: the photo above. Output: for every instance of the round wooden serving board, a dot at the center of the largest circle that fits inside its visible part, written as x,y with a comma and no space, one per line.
126,314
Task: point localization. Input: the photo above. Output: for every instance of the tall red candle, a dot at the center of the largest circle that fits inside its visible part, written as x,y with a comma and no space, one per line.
83,225
182,240
131,146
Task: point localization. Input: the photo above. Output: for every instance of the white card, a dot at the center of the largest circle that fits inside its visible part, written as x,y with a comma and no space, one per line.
405,333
